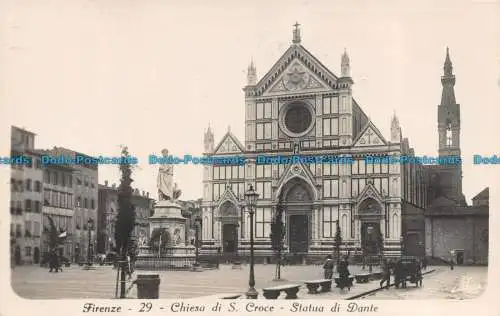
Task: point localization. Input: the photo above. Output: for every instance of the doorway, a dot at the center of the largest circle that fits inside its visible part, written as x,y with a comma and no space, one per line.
229,238
459,257
17,255
298,233
36,255
370,236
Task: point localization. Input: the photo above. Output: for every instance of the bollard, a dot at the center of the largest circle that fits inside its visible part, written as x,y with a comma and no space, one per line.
148,286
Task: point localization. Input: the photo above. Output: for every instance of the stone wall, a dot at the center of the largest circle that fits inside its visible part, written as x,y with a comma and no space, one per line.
465,233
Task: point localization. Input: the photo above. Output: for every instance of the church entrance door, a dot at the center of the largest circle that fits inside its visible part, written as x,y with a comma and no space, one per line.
298,233
230,238
370,236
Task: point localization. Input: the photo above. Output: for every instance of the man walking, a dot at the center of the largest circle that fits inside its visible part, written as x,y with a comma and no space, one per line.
386,274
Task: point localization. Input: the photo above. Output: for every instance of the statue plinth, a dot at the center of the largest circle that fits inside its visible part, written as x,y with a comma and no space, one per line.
168,216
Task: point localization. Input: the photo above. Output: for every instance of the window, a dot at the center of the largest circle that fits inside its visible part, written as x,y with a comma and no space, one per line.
85,203
216,173
354,187
330,105
46,197
361,166
27,205
329,216
38,186
54,178
46,176
330,126
264,189
70,200
28,251
70,181
263,222
354,166
222,172
263,131
449,135
78,202
264,110
38,207
78,181
327,102
38,164
36,229
92,204
331,188
28,185
20,186
63,179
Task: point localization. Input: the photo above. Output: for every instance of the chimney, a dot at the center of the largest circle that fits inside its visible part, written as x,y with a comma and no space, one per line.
106,182
113,186
147,194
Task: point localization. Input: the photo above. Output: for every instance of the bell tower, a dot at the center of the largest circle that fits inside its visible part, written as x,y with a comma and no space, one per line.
450,174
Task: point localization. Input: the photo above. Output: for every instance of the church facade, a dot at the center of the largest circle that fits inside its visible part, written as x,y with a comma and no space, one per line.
299,107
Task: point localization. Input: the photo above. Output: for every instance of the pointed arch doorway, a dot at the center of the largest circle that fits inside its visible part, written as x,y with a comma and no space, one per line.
229,217
370,213
298,200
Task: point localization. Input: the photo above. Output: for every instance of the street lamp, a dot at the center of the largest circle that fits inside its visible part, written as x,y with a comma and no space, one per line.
90,226
197,225
251,198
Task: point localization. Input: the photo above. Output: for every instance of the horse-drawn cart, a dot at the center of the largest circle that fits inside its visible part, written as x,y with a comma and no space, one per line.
408,269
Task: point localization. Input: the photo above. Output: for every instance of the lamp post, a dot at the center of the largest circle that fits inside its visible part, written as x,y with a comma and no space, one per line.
90,224
250,198
197,225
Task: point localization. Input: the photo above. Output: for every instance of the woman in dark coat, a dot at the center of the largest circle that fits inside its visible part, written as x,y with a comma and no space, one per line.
343,271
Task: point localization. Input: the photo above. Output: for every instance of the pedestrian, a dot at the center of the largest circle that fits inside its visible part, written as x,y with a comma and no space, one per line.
386,274
451,264
328,267
52,260
343,271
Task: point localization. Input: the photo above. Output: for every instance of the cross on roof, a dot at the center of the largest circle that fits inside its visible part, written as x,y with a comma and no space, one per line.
369,133
296,25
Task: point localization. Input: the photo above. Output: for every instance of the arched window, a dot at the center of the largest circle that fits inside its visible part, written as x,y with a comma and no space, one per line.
449,135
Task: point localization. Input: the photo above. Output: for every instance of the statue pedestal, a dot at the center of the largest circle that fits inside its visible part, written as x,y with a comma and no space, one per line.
168,216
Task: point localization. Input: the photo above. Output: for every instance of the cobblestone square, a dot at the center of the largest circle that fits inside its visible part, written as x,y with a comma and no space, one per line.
75,283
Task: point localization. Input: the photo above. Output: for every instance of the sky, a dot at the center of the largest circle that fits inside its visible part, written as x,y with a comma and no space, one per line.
94,75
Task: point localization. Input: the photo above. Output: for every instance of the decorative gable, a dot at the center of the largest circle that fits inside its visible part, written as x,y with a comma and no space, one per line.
296,77
228,196
369,192
296,70
229,145
297,170
370,136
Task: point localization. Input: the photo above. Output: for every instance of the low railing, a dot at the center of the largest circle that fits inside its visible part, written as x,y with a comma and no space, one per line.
164,263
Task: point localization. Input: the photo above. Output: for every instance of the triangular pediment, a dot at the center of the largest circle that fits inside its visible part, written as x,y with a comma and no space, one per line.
368,192
228,196
297,78
370,136
296,71
229,145
297,170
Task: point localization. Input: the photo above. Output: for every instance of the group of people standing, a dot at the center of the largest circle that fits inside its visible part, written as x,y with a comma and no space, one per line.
342,268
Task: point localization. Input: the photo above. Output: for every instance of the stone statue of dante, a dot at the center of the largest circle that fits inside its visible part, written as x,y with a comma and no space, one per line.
165,180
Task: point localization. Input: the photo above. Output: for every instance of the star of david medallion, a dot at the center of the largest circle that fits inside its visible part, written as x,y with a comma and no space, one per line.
297,78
